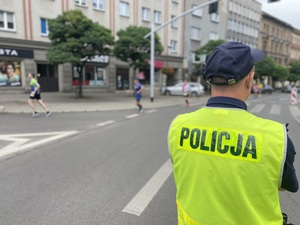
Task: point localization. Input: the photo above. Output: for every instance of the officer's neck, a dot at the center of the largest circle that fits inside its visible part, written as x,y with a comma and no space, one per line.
238,93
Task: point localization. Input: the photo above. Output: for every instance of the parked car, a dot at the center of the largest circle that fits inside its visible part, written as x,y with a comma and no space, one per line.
267,89
196,89
288,89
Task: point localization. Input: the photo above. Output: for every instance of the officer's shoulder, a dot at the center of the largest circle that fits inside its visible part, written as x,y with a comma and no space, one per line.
184,115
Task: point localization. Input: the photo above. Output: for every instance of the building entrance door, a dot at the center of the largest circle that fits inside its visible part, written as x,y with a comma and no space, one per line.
122,79
48,77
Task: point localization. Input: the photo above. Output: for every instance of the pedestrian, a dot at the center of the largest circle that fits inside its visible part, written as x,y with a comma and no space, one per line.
255,89
229,164
186,89
35,93
260,88
138,88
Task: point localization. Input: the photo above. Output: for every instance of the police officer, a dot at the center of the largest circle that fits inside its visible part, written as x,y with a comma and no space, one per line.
228,163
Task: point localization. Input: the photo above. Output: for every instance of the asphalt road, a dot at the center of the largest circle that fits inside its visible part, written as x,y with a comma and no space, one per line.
106,168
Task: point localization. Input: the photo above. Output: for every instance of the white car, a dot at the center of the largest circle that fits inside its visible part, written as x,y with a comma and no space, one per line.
196,89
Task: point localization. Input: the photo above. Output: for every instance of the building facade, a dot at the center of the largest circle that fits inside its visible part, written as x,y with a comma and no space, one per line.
234,21
24,42
275,39
243,21
295,45
24,39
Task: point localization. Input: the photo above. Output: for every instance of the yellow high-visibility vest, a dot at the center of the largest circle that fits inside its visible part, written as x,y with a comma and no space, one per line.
228,166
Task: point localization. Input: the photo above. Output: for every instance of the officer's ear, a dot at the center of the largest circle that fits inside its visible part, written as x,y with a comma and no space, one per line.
249,79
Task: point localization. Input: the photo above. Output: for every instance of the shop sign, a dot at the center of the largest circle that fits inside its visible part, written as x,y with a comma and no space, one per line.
13,52
97,59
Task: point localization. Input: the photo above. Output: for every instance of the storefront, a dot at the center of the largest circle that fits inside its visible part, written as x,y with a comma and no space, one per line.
144,75
93,74
12,73
122,79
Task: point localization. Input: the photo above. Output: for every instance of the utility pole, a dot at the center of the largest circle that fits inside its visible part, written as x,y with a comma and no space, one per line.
212,9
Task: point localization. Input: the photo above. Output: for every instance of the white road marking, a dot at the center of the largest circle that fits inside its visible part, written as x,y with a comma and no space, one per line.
138,204
295,113
19,141
151,111
132,116
275,110
258,108
105,123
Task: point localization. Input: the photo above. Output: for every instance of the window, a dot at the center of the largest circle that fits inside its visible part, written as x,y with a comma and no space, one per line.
7,21
81,2
174,23
98,4
213,36
44,26
197,12
230,6
92,76
229,25
124,9
145,14
173,46
214,17
195,34
157,17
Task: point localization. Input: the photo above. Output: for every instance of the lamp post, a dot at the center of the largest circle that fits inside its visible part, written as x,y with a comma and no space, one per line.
152,63
153,30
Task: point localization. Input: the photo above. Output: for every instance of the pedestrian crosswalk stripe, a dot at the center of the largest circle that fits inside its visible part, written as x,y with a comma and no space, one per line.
275,109
258,108
295,113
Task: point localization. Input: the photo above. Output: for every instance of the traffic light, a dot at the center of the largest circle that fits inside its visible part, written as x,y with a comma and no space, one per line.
213,8
270,1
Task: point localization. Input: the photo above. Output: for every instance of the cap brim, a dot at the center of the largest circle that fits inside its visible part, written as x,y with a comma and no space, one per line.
257,54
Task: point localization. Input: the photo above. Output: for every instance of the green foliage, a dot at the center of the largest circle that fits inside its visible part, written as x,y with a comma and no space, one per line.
209,47
133,48
280,73
295,67
265,68
205,50
75,37
294,71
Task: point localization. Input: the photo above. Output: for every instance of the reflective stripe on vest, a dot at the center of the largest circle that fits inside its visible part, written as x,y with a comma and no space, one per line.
227,167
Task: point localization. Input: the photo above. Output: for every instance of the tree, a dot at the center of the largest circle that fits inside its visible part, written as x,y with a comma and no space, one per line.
133,48
266,67
280,73
209,47
76,39
205,50
294,71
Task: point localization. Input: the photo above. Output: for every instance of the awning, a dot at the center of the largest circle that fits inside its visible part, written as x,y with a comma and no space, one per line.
157,64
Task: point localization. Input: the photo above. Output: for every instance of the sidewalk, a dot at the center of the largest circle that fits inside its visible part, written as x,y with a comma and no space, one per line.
91,102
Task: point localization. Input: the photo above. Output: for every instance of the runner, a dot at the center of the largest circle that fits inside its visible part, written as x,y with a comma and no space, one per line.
186,89
35,89
138,88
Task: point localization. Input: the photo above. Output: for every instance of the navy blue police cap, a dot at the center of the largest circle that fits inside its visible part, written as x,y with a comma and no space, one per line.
232,61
